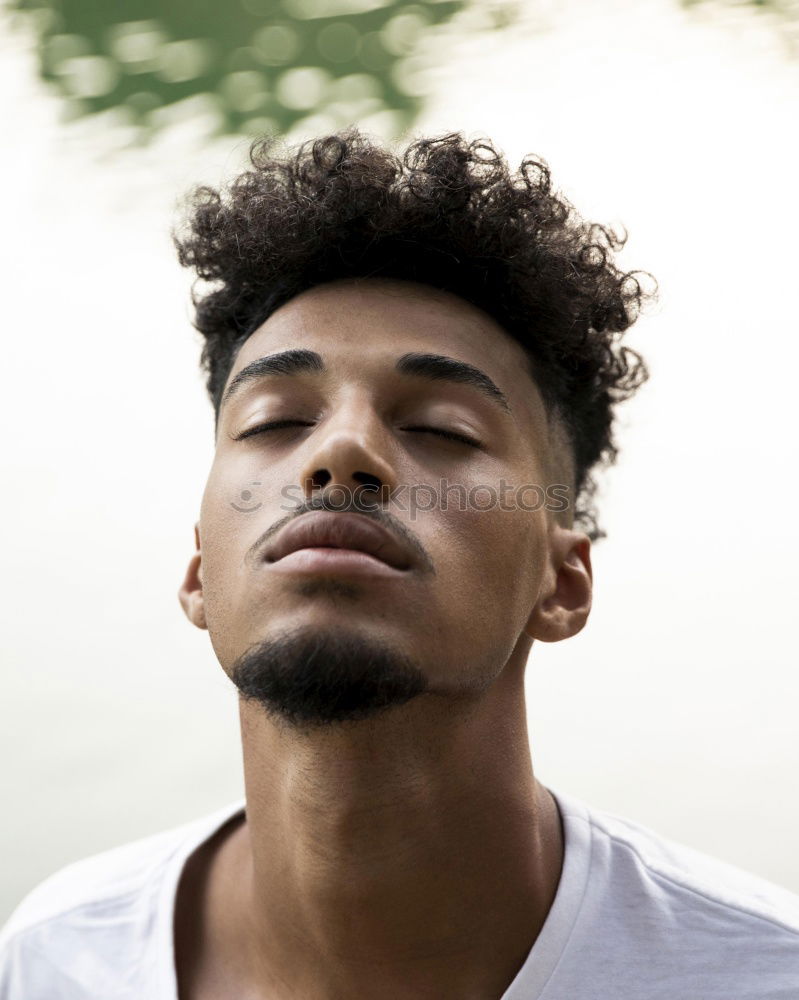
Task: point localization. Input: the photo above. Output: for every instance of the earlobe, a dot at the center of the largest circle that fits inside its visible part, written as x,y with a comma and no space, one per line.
190,593
564,603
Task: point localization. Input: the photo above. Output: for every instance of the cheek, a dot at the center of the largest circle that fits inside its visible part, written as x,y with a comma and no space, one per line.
242,498
241,491
237,507
495,564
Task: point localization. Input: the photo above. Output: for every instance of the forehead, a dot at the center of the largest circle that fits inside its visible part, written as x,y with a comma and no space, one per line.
361,327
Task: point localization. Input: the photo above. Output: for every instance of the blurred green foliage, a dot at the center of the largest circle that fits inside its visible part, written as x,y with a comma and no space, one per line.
787,10
257,66
254,66
784,13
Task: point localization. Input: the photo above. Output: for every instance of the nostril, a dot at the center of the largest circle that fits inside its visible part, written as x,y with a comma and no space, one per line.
368,481
370,490
319,479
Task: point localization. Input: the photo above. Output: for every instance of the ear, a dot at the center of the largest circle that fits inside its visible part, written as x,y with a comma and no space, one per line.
190,593
565,598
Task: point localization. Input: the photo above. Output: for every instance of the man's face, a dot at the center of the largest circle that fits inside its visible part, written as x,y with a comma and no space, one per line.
463,573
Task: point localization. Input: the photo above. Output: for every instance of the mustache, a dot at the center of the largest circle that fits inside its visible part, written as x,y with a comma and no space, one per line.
355,505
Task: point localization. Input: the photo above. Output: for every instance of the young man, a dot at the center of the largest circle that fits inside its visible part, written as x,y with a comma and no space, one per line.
413,365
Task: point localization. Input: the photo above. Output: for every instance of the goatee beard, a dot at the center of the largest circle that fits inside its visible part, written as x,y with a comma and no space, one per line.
318,677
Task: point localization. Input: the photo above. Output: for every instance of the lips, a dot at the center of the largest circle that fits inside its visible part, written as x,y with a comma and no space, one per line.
325,529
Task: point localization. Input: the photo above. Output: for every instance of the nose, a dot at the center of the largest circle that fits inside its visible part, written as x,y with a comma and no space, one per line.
352,453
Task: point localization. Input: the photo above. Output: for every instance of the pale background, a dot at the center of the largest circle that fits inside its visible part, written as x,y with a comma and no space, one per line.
677,705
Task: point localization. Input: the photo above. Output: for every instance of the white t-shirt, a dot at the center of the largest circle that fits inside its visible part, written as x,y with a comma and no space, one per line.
635,917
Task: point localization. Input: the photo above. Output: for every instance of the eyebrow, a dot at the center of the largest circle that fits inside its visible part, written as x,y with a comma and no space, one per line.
434,367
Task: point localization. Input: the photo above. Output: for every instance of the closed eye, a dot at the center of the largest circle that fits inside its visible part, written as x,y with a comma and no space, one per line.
273,425
276,425
450,435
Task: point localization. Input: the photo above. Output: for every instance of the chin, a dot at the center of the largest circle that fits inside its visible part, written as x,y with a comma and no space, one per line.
323,674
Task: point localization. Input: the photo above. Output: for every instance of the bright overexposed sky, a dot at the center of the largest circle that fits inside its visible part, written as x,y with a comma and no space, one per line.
676,706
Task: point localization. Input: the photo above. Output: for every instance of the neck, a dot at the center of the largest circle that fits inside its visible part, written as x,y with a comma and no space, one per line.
410,855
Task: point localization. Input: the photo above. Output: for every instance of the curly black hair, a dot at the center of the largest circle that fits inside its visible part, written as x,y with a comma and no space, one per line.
448,213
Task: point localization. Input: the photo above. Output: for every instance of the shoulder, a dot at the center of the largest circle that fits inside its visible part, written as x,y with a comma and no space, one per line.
656,911
106,878
693,875
91,918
